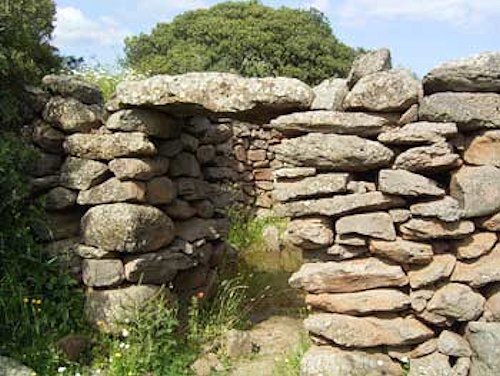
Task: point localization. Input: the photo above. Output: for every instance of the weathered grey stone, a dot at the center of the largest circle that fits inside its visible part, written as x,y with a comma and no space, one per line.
310,233
492,305
477,189
484,339
194,189
314,186
440,267
480,272
180,209
350,331
360,303
329,361
484,149
339,252
222,93
43,184
150,122
220,173
169,148
419,298
356,240
197,228
185,164
480,72
138,168
113,190
77,173
105,309
102,273
294,172
457,301
216,134
435,364
339,205
400,215
390,91
127,228
11,367
490,223
402,251
160,190
375,225
87,252
410,115
204,208
361,186
72,116
45,164
427,229
109,146
452,344
446,209
330,94
205,154
72,86
156,268
475,245
347,276
371,62
461,367
436,157
334,152
422,132
469,110
322,121
59,198
405,183
48,138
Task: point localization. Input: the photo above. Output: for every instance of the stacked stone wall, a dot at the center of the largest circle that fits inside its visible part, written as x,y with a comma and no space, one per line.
391,187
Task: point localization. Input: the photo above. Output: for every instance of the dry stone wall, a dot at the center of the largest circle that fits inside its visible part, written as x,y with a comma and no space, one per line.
391,187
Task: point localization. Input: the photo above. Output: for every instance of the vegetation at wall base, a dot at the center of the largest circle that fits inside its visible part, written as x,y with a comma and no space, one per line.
243,37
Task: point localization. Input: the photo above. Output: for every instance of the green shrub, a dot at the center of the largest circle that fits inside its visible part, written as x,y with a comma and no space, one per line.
38,303
25,52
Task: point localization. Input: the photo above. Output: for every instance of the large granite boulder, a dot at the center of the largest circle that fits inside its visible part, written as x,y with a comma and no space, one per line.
477,189
334,152
390,91
339,205
368,63
358,124
113,190
314,186
74,87
475,73
405,183
330,94
347,276
468,110
138,168
150,122
102,273
360,303
484,149
329,361
221,93
377,225
351,331
484,339
128,228
78,173
72,116
109,146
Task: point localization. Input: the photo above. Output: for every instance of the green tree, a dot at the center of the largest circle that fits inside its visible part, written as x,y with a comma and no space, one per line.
246,38
25,51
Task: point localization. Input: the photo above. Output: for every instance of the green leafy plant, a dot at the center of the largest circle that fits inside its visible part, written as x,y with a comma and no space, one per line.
290,364
244,37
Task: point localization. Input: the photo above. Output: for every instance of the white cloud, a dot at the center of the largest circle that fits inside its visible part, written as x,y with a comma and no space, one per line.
463,13
73,27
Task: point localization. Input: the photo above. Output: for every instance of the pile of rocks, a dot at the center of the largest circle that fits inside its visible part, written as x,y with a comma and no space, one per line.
137,190
396,195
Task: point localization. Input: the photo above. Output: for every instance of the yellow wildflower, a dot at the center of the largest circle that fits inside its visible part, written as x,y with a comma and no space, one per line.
26,300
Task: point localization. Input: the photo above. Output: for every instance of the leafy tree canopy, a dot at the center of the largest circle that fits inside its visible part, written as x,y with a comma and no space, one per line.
25,51
246,38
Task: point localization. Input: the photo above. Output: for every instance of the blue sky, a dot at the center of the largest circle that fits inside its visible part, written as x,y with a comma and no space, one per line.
420,33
